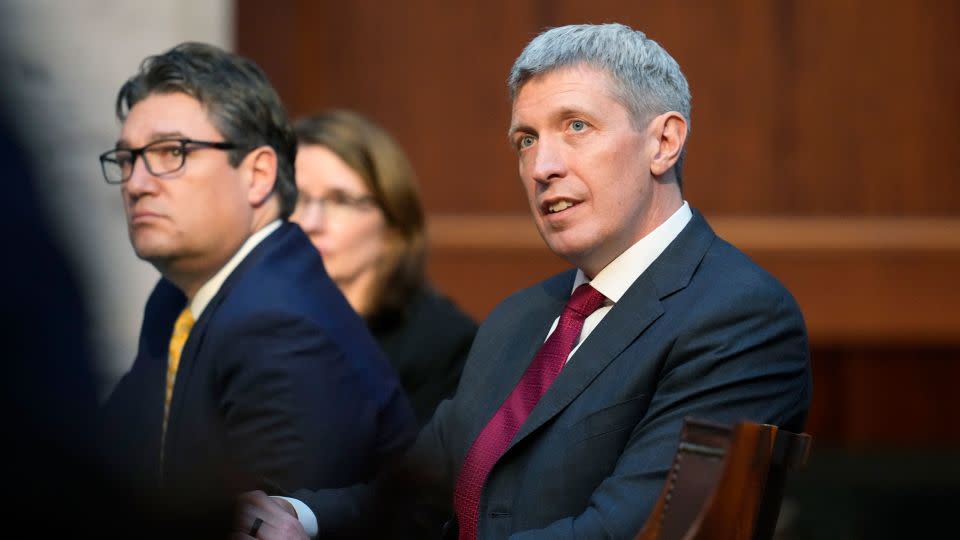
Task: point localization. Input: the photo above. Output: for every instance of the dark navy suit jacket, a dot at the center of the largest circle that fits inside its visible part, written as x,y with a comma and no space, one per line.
702,332
279,382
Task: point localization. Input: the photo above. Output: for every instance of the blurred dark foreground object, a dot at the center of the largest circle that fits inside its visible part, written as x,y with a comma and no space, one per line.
55,481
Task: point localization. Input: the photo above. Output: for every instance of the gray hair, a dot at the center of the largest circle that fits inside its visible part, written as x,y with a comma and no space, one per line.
646,79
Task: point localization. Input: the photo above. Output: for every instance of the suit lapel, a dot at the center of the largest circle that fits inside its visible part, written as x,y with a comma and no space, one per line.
625,321
189,359
150,367
545,304
638,308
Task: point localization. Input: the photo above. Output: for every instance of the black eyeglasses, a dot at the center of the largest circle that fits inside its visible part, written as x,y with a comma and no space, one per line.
160,157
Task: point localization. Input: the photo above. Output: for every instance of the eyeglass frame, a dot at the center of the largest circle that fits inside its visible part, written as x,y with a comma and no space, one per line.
141,153
337,198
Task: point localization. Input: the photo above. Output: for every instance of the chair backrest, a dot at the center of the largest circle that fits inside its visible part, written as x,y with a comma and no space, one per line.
790,451
726,483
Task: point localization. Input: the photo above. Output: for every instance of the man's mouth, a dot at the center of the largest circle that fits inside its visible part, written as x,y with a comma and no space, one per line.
141,215
557,206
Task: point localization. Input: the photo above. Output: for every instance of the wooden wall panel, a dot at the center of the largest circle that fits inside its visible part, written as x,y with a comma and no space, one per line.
823,144
824,107
880,397
820,107
433,73
858,280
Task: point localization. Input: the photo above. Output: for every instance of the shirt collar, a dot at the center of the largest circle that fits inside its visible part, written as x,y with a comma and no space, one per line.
209,289
614,280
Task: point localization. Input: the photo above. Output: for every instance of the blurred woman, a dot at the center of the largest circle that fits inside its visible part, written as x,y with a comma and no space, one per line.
358,203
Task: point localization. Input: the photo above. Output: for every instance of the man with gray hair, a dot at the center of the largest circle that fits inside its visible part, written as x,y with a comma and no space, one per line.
570,405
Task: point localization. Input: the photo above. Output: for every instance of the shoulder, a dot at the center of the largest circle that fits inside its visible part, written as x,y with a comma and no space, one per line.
703,281
431,327
283,290
285,274
165,296
163,305
710,269
730,295
431,307
554,288
731,274
533,304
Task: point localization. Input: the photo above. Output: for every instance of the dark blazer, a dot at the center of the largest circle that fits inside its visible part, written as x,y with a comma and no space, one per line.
427,343
279,381
703,332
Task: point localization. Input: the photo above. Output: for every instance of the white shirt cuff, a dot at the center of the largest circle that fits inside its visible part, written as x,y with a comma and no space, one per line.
304,515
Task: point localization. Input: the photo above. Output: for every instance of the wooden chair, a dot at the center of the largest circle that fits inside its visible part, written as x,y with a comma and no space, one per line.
790,452
726,483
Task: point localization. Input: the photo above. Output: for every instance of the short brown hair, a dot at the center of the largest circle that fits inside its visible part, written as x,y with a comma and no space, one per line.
239,99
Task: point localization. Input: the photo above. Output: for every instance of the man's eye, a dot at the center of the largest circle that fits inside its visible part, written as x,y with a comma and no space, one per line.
168,150
578,125
526,141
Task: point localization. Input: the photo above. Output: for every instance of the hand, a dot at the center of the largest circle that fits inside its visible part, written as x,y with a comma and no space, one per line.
278,519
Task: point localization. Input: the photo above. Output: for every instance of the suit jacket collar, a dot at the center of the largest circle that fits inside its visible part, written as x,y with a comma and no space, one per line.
252,260
209,289
194,342
628,318
167,300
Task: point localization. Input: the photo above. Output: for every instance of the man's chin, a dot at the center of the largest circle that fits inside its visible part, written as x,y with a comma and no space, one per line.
578,252
151,253
563,248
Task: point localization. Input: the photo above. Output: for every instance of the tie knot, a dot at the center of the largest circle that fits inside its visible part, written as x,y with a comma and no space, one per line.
184,322
585,300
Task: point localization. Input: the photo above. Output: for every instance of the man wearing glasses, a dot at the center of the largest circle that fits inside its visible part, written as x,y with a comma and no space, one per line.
252,368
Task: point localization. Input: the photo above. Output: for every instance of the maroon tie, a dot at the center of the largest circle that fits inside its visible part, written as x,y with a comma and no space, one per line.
497,434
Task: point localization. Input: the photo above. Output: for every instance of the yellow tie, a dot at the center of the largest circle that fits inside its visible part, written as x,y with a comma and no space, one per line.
181,330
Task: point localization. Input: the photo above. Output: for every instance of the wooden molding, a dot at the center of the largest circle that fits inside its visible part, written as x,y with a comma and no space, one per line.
858,280
747,233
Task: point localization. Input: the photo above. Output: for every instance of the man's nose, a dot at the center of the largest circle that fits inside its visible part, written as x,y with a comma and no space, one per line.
141,179
548,161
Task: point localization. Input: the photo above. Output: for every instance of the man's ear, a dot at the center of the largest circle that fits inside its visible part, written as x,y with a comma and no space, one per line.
261,163
670,131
